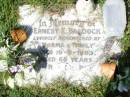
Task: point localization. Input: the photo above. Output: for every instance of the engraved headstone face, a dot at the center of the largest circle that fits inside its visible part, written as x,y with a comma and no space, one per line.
76,45
72,42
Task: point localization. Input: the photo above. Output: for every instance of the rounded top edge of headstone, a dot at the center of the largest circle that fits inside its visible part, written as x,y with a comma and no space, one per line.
114,1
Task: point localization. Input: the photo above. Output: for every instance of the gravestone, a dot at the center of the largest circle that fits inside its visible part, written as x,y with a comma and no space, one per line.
76,44
114,21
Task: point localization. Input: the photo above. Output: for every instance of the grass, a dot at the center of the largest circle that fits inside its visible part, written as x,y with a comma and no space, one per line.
52,5
126,39
8,15
100,2
59,88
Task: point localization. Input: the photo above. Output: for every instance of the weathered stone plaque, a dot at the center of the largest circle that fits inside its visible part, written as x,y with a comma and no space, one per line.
75,44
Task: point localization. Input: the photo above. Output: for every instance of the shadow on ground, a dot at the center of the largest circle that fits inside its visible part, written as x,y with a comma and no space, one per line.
120,86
